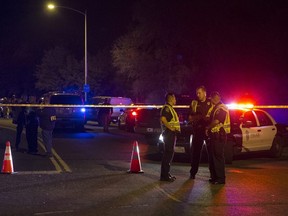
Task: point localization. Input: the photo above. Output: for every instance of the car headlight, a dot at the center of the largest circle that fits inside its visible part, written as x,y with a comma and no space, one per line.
161,138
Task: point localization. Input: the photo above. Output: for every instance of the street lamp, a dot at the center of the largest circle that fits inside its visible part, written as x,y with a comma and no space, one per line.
86,86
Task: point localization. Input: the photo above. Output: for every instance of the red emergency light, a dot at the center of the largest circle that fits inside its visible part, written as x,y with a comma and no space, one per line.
240,106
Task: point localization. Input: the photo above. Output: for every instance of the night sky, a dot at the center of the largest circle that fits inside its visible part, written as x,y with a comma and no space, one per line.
243,44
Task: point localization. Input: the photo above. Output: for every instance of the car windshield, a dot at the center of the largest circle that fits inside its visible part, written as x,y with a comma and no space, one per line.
98,100
66,99
235,116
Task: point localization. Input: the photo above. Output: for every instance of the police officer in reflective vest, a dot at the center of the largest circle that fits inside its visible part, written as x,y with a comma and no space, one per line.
217,131
170,127
199,116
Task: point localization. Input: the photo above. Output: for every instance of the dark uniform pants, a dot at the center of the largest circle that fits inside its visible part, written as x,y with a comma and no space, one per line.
169,143
216,156
31,136
106,118
197,144
19,130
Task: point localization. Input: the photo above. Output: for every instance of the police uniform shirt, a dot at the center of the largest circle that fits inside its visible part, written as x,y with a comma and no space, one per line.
203,107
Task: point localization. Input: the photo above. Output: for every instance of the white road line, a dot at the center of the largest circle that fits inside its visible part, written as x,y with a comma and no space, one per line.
44,172
62,162
54,212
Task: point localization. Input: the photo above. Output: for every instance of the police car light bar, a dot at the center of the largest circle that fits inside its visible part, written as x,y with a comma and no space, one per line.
240,106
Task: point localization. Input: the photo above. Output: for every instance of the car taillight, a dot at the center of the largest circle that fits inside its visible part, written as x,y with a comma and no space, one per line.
134,113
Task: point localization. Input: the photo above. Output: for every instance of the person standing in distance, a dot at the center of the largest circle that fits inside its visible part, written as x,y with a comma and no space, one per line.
170,127
19,118
217,131
105,115
32,127
199,117
47,118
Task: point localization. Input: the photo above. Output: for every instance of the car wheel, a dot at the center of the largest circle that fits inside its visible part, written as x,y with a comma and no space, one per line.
131,128
277,147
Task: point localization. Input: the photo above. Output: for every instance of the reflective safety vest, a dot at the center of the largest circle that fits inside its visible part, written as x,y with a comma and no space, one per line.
174,122
226,124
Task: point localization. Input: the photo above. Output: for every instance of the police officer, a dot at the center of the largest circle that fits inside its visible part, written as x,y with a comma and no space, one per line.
47,119
170,127
105,115
32,127
217,131
199,117
19,118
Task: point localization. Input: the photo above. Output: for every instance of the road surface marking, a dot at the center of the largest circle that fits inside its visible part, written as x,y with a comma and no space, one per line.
54,212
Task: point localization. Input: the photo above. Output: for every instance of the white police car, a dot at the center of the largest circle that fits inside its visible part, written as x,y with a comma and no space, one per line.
251,130
254,130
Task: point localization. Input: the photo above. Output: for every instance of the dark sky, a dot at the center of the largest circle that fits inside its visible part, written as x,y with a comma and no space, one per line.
28,29
29,21
249,47
243,44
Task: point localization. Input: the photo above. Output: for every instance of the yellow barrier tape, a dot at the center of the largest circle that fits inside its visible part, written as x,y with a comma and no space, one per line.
88,106
126,106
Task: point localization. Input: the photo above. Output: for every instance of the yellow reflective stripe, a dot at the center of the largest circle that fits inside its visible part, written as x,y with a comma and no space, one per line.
194,104
226,124
175,119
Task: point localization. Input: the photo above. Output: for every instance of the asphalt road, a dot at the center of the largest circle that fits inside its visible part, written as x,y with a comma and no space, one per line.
87,176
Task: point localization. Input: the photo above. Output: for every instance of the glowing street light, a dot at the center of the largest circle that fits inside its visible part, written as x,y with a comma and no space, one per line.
51,6
86,86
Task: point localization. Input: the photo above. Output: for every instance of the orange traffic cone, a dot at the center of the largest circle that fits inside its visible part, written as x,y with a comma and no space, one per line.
7,162
135,166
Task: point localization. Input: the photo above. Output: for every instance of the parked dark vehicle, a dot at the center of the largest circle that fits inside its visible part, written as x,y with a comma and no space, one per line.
127,119
92,113
68,117
147,120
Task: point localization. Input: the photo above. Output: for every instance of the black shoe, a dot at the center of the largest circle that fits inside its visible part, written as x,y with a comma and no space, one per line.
171,176
211,180
218,182
192,176
167,179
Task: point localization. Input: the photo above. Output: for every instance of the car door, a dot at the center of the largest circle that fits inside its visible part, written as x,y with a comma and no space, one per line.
267,129
251,133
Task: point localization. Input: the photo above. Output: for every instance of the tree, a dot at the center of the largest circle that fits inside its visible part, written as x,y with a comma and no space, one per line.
156,54
59,70
101,76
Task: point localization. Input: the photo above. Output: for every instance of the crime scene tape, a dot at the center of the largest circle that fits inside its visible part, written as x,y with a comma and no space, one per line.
128,106
88,106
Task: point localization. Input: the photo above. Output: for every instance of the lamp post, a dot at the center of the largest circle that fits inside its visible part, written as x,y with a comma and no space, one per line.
85,87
